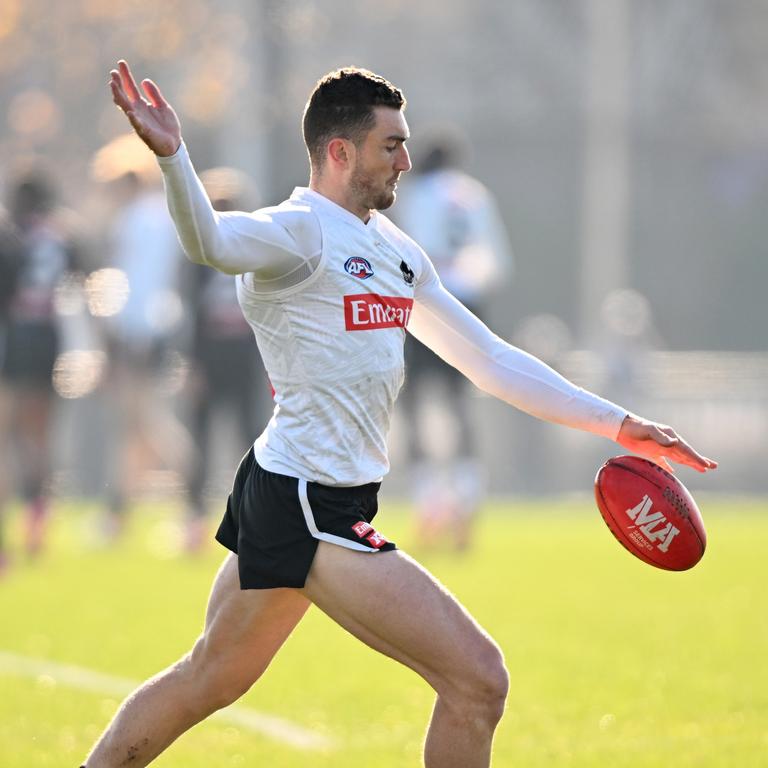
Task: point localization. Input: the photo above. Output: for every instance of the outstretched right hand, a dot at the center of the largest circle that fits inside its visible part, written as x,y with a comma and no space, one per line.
661,444
152,118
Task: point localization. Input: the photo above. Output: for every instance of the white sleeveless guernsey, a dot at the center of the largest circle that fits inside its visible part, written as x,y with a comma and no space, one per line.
329,298
333,347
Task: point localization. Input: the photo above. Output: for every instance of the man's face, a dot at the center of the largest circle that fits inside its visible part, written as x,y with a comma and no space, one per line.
380,160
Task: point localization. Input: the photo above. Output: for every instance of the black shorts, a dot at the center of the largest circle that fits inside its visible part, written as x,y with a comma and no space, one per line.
273,523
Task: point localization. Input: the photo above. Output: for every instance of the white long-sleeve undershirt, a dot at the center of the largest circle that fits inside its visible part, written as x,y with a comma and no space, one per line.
268,246
446,326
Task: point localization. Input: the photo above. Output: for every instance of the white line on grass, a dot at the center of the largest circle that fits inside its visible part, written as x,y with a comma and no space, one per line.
85,679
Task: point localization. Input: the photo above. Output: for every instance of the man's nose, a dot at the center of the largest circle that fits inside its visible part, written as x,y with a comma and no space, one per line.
403,162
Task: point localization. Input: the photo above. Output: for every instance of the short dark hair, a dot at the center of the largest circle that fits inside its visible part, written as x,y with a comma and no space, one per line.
341,104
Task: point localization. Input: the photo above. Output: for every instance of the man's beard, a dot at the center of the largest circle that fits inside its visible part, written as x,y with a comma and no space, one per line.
367,195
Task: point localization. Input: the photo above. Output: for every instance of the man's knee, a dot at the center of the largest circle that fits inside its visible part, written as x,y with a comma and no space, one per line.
480,690
493,682
219,678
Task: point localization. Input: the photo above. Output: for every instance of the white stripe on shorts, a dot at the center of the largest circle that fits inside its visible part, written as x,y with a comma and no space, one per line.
318,534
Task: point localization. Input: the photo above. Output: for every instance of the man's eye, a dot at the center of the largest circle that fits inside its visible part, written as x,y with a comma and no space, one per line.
392,149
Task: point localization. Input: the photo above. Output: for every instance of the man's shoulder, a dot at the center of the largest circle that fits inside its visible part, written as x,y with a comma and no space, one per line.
294,216
397,236
413,254
289,210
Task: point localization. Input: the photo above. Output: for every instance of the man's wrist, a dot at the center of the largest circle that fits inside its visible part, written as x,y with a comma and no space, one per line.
170,153
172,159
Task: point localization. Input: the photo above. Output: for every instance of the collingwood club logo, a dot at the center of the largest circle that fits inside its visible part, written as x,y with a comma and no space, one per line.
408,275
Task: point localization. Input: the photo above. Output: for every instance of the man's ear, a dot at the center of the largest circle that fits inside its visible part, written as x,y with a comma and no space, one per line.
341,152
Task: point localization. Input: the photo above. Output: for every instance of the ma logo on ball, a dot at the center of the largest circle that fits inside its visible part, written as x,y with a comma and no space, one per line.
651,527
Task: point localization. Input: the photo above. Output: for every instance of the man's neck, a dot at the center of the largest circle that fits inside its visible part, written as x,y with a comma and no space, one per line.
339,196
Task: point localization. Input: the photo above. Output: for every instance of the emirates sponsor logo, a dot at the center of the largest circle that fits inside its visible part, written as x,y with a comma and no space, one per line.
361,528
367,531
376,540
369,311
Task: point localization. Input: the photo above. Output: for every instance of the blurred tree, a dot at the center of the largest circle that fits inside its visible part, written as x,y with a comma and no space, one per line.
510,74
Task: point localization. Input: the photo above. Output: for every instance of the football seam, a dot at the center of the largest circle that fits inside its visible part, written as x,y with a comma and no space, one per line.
628,468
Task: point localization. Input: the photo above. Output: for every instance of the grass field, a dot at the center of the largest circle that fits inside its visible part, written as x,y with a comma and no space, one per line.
613,663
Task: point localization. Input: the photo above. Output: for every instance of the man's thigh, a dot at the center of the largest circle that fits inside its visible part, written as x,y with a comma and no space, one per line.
395,606
247,627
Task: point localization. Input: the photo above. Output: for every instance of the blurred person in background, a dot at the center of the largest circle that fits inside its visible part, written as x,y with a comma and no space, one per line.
330,285
142,250
225,365
627,337
454,217
10,262
45,251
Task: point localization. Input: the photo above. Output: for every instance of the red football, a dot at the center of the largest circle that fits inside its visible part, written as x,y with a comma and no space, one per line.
650,512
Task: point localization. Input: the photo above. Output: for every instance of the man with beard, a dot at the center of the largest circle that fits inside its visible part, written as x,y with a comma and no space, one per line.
329,285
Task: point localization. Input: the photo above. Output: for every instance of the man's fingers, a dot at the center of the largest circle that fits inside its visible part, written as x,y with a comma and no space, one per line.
149,113
661,444
683,453
153,94
118,93
687,455
129,84
134,118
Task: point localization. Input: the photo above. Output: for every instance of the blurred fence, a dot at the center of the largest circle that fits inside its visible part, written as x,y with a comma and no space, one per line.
718,400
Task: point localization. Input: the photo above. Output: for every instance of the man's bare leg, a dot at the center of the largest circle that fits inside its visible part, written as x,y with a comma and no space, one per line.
243,631
391,603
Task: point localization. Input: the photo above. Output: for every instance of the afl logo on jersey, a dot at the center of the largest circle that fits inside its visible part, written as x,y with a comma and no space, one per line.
357,266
